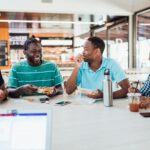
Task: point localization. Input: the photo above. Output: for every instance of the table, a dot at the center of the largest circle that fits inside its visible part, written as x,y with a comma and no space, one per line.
85,126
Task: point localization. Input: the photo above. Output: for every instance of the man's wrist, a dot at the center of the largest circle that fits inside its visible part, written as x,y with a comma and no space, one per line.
100,93
20,91
55,91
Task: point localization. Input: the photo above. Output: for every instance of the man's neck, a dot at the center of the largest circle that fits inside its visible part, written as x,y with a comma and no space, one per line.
34,65
95,65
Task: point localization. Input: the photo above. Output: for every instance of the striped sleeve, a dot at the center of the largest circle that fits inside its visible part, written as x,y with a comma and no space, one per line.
58,77
13,82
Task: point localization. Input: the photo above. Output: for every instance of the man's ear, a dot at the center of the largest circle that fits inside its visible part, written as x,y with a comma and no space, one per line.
98,51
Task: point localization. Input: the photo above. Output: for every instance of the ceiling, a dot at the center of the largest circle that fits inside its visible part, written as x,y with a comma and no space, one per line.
102,7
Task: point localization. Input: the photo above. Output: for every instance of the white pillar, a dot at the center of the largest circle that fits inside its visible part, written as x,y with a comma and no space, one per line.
131,42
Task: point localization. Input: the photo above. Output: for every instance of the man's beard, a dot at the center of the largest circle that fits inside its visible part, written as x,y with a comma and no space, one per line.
35,61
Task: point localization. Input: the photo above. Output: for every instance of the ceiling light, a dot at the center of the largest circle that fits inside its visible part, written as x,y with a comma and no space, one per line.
56,42
47,1
50,22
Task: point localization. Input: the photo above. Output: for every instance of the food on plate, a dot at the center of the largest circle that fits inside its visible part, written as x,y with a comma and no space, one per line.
145,102
145,106
46,90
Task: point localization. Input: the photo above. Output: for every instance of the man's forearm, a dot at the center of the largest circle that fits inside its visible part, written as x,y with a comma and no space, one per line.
15,93
120,94
70,84
3,88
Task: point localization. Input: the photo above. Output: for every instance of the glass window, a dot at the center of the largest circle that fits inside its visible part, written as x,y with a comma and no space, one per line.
116,40
103,35
118,44
143,39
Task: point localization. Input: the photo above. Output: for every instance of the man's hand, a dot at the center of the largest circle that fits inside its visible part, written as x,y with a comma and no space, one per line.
50,91
79,60
2,95
28,89
133,90
94,94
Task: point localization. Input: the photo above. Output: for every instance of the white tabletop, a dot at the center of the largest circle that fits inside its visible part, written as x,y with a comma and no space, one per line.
85,126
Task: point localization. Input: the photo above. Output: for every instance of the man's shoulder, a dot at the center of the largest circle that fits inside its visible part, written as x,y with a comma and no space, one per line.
110,62
20,64
48,63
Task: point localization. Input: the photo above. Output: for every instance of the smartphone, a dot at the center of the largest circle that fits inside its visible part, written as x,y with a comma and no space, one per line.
43,100
145,114
62,103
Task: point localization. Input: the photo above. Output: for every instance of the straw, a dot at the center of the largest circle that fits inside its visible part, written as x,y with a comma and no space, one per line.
137,83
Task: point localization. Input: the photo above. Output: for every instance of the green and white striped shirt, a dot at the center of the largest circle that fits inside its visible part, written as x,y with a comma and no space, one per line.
45,75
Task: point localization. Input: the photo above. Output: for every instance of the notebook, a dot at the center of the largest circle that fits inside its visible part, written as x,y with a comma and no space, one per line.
25,129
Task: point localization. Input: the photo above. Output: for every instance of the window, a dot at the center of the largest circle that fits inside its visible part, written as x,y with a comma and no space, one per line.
143,39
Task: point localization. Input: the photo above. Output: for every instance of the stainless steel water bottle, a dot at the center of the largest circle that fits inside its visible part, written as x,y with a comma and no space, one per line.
107,89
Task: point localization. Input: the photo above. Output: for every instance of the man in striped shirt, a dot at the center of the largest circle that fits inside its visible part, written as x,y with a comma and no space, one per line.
26,76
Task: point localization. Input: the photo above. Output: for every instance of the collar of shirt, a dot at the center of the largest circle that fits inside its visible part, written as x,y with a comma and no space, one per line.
85,65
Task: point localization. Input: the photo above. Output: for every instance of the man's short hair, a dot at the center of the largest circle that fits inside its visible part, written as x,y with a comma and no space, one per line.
97,42
29,41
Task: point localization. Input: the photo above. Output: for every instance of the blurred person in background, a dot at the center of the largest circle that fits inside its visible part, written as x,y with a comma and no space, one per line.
3,92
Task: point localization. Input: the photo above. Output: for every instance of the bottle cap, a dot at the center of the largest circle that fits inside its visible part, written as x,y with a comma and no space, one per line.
107,72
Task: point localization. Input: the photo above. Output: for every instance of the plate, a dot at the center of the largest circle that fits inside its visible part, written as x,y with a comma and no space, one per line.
83,90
